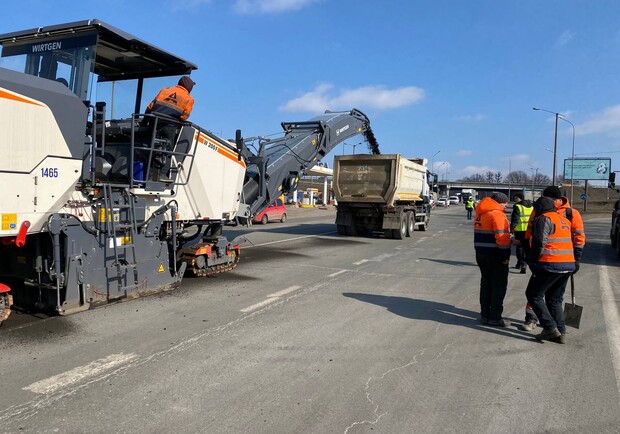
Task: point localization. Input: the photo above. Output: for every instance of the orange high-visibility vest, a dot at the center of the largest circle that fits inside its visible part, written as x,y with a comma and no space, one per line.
559,247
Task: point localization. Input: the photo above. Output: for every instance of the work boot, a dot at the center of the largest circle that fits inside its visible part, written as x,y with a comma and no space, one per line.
528,326
548,335
522,270
484,320
497,323
559,340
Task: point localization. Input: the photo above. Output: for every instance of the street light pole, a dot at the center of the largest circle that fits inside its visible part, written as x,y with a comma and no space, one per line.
555,141
433,172
572,159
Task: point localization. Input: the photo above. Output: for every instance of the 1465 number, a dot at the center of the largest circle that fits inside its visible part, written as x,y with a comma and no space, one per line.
49,172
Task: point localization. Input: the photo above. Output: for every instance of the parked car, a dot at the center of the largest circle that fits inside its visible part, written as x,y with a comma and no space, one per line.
275,211
454,200
443,201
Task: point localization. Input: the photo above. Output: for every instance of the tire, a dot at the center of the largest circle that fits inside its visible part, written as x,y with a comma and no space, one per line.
424,226
342,229
283,218
264,219
410,223
401,233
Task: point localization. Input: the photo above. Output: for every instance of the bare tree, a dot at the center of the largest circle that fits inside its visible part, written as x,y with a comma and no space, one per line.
540,179
476,177
517,177
497,177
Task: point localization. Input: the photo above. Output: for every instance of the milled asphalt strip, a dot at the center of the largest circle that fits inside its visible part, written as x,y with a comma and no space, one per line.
612,320
23,411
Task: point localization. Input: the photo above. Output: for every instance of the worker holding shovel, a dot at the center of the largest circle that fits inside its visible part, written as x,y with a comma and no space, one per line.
552,261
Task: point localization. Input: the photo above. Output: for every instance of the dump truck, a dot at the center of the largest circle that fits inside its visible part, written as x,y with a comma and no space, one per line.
87,219
381,193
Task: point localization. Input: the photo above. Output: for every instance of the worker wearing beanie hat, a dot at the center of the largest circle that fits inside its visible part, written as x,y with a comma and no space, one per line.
578,238
492,244
174,101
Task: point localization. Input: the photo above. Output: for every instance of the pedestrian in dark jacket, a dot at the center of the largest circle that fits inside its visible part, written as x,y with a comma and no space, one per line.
552,261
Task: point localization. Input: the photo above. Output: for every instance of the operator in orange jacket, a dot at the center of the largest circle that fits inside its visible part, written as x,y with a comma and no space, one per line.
174,101
552,261
492,244
578,237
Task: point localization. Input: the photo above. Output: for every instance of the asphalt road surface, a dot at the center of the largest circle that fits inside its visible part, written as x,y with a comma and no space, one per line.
318,333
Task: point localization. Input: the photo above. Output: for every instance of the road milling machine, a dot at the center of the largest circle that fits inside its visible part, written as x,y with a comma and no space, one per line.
97,208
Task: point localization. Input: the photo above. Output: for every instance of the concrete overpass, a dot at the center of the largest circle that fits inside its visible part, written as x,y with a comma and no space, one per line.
448,188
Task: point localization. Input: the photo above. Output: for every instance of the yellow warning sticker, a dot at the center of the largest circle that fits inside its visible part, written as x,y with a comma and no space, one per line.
161,268
9,222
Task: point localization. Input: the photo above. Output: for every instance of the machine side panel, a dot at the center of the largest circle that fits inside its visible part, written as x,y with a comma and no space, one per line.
38,117
213,190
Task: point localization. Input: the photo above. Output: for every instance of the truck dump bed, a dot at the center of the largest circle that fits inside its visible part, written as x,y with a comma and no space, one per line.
381,179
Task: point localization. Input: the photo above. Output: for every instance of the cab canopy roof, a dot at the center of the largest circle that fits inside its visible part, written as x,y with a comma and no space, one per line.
119,55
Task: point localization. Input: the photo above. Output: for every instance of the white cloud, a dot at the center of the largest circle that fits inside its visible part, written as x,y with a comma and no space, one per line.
379,97
608,121
471,118
472,170
565,38
271,6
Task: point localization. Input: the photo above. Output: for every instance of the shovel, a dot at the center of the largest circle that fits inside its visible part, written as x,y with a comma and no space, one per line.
572,312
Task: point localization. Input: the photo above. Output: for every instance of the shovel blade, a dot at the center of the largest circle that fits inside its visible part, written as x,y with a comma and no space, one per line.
572,315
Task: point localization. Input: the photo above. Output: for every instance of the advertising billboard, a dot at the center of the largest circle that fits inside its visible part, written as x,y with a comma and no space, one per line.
587,168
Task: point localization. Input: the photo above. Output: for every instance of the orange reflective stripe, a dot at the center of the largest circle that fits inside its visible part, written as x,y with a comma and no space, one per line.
7,95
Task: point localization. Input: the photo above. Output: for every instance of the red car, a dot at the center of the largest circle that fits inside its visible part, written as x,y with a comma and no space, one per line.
275,211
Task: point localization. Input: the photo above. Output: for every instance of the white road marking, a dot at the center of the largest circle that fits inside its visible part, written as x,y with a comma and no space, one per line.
337,273
612,320
258,305
284,291
289,239
271,298
52,384
363,261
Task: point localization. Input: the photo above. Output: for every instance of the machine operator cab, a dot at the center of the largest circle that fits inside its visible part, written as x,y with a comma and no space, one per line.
98,62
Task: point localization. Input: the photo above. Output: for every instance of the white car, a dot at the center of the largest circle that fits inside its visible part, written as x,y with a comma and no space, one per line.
443,201
454,200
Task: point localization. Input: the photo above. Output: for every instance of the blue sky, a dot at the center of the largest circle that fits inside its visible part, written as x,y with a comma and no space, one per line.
458,77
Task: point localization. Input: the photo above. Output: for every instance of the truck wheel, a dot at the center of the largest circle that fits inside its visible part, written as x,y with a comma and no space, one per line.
424,225
410,223
342,229
401,233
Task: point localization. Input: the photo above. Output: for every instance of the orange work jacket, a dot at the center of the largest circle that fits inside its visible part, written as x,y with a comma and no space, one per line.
172,101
